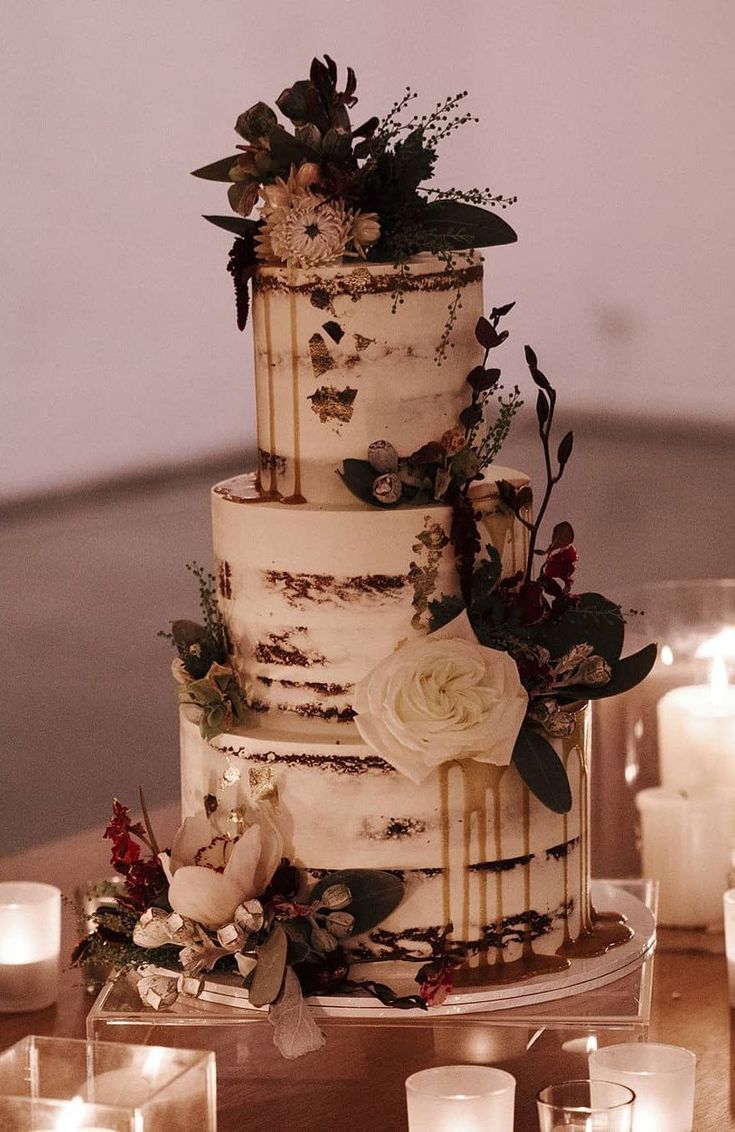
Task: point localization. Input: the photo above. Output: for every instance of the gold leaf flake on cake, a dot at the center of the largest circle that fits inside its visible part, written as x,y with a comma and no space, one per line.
422,574
332,405
321,359
224,575
361,342
262,783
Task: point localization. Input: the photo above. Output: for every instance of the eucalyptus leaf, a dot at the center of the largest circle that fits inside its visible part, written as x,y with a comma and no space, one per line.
286,150
298,931
467,225
268,976
237,224
217,170
295,1032
375,894
542,770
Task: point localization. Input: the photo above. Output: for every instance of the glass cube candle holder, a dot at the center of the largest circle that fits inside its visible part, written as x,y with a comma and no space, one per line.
65,1085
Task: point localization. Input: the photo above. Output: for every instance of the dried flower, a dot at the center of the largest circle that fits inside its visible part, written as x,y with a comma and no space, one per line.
453,440
365,231
306,234
157,991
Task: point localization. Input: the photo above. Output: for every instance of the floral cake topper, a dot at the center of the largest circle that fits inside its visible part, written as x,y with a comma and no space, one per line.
319,188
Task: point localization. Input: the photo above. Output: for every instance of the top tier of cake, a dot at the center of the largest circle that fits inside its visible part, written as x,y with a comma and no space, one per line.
346,355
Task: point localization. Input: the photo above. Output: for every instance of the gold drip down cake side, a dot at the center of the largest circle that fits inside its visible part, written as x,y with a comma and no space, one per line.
317,587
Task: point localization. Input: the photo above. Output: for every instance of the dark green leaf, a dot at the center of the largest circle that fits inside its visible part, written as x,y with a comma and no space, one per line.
299,939
531,359
470,416
375,895
286,150
218,170
488,571
268,976
594,620
359,477
444,609
483,379
626,673
524,497
542,770
237,224
501,312
508,494
565,448
467,225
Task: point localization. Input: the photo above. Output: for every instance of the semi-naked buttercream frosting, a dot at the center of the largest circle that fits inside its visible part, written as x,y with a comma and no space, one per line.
316,588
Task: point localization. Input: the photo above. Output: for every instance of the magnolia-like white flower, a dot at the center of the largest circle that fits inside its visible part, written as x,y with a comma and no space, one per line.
213,871
441,698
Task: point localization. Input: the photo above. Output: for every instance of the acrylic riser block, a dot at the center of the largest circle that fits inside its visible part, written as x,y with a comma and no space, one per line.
63,1083
254,1079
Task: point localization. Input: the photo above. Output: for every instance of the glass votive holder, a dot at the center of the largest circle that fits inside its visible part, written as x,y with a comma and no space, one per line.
585,1106
460,1098
65,1085
728,907
30,942
661,1076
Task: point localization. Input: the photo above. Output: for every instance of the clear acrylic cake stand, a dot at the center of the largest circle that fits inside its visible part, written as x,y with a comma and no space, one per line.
366,1059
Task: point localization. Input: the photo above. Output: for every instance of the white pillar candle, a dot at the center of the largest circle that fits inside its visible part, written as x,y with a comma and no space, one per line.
728,903
662,1078
685,845
30,941
460,1098
696,734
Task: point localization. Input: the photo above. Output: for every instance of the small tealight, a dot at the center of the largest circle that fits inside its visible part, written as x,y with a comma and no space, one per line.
661,1076
30,942
473,1098
585,1106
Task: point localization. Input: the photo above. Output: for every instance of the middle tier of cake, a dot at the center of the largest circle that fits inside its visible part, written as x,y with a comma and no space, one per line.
314,597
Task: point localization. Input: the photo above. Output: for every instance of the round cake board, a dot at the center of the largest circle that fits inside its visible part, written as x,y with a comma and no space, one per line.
584,974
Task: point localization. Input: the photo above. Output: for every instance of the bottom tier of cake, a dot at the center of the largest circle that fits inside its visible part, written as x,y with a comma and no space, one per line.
474,848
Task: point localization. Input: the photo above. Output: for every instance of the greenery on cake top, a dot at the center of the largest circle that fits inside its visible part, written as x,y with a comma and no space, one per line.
321,188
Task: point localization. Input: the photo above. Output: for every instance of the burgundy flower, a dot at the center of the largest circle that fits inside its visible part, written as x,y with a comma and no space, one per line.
144,882
561,564
121,831
436,988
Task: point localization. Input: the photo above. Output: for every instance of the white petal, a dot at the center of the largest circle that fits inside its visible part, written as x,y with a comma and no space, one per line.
202,895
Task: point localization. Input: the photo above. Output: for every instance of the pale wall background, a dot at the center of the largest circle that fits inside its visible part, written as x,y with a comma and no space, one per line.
611,120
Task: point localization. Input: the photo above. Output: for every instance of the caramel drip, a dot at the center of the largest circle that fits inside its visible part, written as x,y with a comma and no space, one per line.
296,497
252,492
527,943
527,966
598,932
444,822
499,771
273,488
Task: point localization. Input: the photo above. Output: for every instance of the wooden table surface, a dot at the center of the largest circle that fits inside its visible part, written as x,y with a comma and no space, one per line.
690,1008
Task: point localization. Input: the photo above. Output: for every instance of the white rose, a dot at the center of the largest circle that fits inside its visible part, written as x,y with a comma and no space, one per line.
441,698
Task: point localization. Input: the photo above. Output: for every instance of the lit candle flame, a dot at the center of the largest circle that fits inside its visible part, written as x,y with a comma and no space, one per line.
722,645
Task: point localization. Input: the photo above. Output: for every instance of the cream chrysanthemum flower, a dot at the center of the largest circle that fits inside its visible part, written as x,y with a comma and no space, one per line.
305,232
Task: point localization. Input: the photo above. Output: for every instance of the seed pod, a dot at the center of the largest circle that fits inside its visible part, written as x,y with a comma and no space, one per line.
388,488
335,897
339,924
249,916
157,991
382,456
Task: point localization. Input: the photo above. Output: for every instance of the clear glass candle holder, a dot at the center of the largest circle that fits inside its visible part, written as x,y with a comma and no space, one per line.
65,1085
30,941
585,1106
728,906
460,1098
661,1076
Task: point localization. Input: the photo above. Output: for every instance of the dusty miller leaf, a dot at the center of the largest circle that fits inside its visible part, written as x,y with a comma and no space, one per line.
294,1030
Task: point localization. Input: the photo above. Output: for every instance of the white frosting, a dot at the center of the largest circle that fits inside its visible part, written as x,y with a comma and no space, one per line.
319,595
319,401
314,594
342,807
